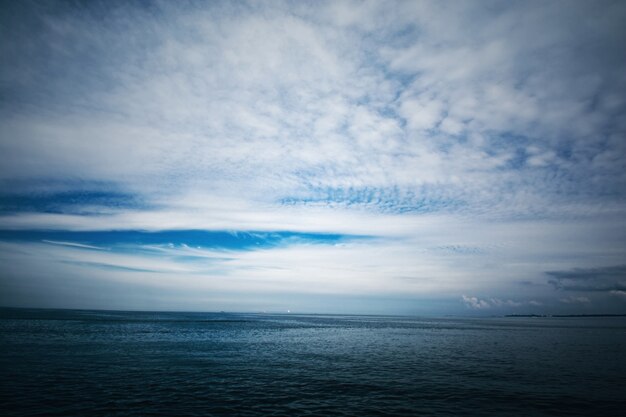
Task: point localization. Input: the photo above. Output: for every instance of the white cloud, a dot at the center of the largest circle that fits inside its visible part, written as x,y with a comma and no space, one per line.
481,304
78,245
474,302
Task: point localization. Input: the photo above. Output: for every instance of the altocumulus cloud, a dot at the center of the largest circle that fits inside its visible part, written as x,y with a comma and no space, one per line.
364,156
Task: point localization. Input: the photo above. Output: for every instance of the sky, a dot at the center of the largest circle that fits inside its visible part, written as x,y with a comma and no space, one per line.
377,157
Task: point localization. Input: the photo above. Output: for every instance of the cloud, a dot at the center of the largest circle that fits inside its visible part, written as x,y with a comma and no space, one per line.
78,245
604,279
282,104
574,300
619,293
474,302
487,303
477,145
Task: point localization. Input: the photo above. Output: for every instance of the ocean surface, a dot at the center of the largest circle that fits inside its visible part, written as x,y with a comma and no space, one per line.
96,363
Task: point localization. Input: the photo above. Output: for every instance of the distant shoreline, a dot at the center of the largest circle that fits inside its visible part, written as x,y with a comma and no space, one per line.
565,315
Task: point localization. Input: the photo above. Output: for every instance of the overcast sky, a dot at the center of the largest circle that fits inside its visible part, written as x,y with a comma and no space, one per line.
366,157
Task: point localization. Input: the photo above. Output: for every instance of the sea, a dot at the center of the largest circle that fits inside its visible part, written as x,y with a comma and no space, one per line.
111,363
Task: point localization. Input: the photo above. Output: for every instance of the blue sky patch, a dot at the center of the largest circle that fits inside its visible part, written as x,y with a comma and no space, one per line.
192,238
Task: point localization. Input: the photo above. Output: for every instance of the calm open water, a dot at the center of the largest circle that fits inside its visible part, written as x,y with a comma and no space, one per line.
64,363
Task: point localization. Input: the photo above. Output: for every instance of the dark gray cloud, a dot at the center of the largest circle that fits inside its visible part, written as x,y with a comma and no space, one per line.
611,278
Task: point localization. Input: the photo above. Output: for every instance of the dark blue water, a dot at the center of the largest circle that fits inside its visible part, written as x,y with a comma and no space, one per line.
65,363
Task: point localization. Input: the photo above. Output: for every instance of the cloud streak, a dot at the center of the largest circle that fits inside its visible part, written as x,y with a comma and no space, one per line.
612,278
78,245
